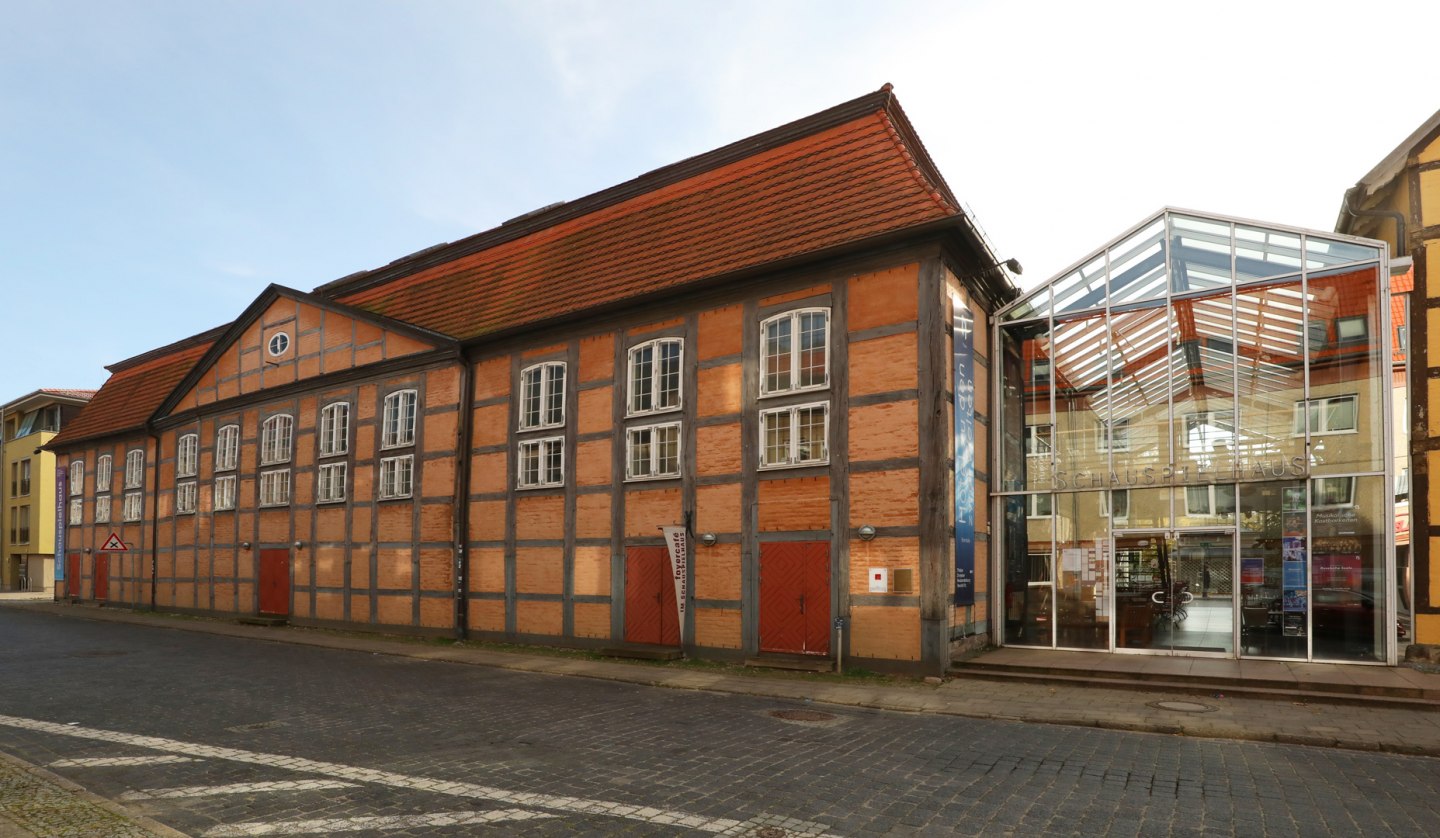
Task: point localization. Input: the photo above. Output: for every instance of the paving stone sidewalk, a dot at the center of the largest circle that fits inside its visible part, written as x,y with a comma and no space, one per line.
35,803
1394,730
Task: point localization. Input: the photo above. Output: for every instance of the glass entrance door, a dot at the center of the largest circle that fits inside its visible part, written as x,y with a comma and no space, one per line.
1173,592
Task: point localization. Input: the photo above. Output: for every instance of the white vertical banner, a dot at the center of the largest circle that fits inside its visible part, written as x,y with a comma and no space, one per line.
678,543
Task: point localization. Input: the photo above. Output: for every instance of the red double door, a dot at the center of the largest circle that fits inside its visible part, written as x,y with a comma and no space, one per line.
795,597
650,613
275,582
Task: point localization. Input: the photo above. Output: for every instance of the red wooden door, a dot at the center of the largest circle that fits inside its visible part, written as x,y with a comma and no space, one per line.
102,576
72,575
650,613
795,597
275,582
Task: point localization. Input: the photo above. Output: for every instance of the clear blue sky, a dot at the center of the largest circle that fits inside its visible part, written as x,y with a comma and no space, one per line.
161,162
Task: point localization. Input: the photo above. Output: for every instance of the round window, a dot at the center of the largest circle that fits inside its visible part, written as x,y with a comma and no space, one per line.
279,342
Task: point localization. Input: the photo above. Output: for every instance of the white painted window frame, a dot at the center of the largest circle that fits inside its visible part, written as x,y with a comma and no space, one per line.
135,468
77,478
277,438
273,484
632,376
545,375
334,429
391,469
224,492
186,498
544,446
654,473
187,455
330,488
793,412
398,418
227,448
794,316
104,473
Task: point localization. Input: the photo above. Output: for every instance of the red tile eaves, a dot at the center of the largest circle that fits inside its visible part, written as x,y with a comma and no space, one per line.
129,397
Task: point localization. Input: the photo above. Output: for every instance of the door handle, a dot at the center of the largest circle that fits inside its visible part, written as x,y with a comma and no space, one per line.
1157,598
1188,597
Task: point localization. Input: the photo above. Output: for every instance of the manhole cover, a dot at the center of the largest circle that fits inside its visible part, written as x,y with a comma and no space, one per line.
97,653
1183,706
802,716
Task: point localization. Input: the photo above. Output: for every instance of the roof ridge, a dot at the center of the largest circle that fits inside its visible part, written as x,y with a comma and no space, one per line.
150,355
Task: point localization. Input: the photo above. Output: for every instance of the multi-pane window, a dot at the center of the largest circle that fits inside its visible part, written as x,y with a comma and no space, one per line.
275,487
227,448
77,477
1332,491
185,498
794,436
134,506
397,476
225,492
1038,440
1038,506
330,482
20,478
102,509
335,429
103,473
134,472
76,512
276,435
1208,430
1332,415
795,351
652,451
542,396
1113,436
187,456
398,420
1349,330
655,376
1115,504
1216,499
542,463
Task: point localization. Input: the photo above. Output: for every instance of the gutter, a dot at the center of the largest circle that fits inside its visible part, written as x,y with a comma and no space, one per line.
1401,242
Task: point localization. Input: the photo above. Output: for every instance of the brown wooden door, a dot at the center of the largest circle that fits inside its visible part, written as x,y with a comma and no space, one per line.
102,576
275,582
795,597
650,613
72,575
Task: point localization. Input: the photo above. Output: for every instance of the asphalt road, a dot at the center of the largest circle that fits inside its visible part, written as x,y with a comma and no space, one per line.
216,736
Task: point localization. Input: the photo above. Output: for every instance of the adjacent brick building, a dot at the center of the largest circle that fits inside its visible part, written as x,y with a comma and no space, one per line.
485,437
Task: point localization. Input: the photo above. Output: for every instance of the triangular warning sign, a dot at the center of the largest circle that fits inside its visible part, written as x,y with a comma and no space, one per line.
114,544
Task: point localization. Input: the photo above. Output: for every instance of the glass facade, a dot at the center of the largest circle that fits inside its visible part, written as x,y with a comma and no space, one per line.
1193,446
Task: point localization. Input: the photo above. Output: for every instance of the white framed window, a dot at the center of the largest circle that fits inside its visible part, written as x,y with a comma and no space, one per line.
275,487
1212,499
1115,505
652,451
397,427
185,494
1040,371
654,376
1208,430
224,492
1331,492
1351,330
1038,440
76,515
542,396
102,509
330,482
77,477
187,456
227,448
103,473
278,343
276,435
397,477
133,506
795,351
134,469
1113,436
335,429
1038,506
542,463
1331,415
795,436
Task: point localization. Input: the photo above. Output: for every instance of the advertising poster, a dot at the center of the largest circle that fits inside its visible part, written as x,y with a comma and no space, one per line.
964,373
677,541
61,476
1252,571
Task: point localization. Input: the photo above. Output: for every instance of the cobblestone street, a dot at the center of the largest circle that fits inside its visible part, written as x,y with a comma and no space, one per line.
219,736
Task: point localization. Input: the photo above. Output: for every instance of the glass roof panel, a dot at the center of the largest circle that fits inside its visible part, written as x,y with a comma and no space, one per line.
1037,304
1199,254
1082,289
1137,265
1321,253
1262,253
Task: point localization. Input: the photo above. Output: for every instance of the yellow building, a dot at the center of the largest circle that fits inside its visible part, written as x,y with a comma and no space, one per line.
27,486
1398,201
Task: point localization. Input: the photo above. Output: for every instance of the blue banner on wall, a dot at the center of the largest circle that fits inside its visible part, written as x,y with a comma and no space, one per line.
964,371
61,520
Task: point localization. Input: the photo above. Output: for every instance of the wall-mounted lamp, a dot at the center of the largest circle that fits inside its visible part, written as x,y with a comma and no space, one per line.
1013,265
87,551
299,545
866,532
708,539
244,545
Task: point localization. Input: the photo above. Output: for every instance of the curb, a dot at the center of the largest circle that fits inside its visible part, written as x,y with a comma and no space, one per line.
49,778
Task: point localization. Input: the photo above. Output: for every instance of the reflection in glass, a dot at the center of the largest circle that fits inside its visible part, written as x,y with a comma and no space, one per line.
1027,372
1199,254
1136,406
1202,370
1137,266
1349,373
1273,611
1029,581
1081,349
1082,612
1265,254
1081,289
1348,585
1271,380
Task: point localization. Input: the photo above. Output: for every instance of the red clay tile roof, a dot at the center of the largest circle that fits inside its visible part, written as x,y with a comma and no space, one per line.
131,394
68,394
820,190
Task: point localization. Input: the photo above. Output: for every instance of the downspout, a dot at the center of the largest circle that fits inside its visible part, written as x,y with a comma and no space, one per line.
1394,215
462,499
154,517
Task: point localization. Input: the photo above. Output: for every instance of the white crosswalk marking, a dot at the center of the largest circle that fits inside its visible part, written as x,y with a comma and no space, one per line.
378,822
235,788
108,762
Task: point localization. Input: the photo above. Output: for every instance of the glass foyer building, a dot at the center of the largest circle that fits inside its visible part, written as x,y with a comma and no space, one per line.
1193,448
